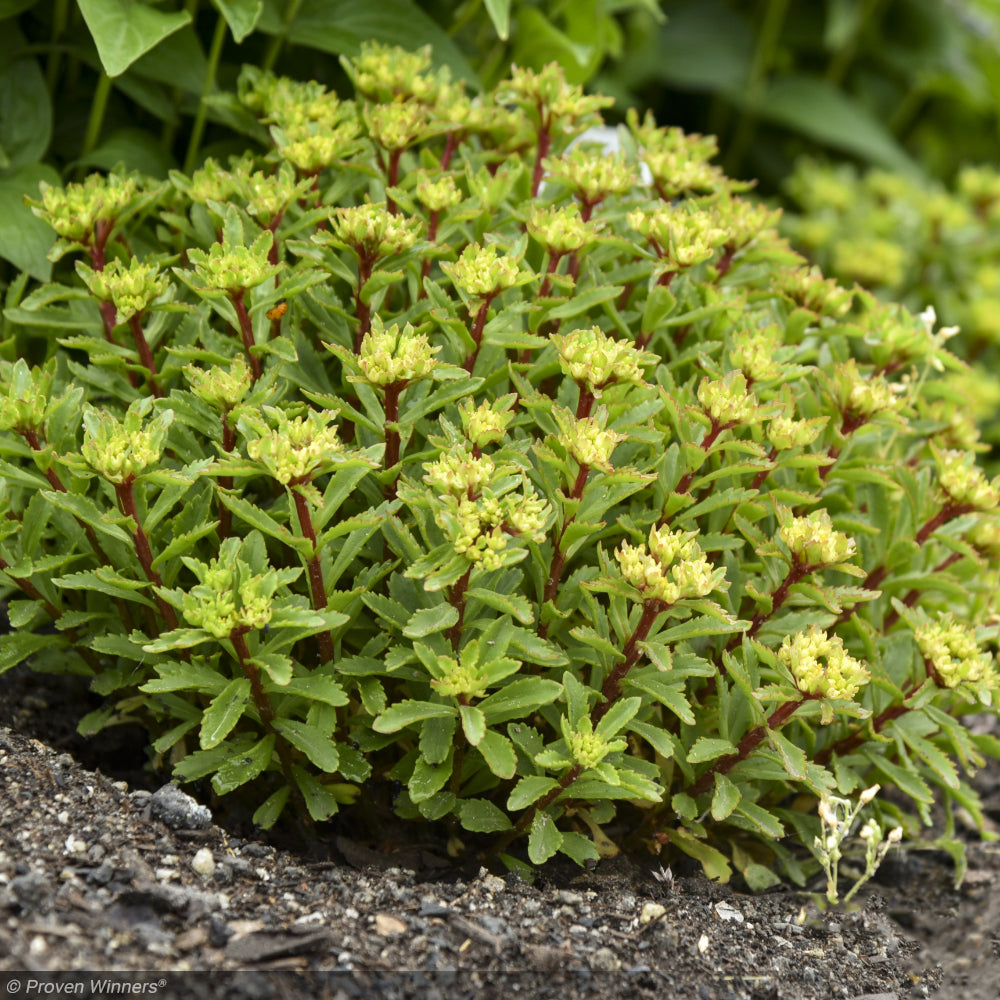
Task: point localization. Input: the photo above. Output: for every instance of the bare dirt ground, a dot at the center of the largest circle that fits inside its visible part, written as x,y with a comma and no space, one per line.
101,868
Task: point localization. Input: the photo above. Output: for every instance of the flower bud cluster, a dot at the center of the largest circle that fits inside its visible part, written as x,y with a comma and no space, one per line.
561,229
373,232
546,94
754,352
76,210
283,101
459,472
210,182
296,447
860,396
313,147
131,288
786,432
390,356
681,237
120,450
436,193
807,287
981,186
591,358
482,529
743,221
24,395
233,269
673,569
592,176
964,482
465,679
221,388
821,666
396,126
586,439
487,423
870,261
952,649
485,271
813,541
228,596
387,74
268,195
586,747
728,401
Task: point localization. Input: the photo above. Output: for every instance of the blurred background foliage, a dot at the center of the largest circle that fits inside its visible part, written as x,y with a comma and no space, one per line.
907,86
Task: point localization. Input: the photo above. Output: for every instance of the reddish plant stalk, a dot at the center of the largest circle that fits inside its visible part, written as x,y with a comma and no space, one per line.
126,502
145,354
324,640
425,267
392,179
262,702
226,482
544,145
798,571
850,424
476,332
366,262
726,260
586,401
392,394
748,744
652,608
246,333
705,444
559,555
457,600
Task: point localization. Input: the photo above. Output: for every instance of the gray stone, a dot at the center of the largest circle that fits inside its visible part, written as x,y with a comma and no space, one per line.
178,810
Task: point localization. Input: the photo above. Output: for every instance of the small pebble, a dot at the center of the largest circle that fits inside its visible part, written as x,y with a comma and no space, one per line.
651,912
204,863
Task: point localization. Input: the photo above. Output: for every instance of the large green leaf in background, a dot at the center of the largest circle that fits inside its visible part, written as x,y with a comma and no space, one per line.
25,108
821,111
25,239
241,15
123,30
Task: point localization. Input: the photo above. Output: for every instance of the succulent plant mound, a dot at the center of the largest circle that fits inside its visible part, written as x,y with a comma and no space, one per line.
431,450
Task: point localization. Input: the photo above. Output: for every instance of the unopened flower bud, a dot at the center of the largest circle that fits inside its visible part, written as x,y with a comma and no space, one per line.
821,666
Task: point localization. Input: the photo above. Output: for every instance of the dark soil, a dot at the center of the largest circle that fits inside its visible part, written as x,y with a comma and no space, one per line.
101,869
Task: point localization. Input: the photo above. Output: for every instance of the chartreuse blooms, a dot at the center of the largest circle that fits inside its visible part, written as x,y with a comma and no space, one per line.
559,506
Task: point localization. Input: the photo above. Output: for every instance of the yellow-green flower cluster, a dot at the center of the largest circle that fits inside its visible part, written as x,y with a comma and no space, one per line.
373,232
754,352
807,287
951,648
863,397
743,221
488,422
677,162
813,541
387,74
821,666
297,447
221,388
672,569
459,472
590,357
681,236
313,147
390,356
465,679
228,596
76,210
587,440
586,747
131,288
964,482
396,126
286,102
561,229
233,268
592,176
483,528
120,450
985,537
438,193
268,195
728,400
485,271
981,186
24,395
786,432
545,94
210,182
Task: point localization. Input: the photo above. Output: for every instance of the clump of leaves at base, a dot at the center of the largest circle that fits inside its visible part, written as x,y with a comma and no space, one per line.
419,449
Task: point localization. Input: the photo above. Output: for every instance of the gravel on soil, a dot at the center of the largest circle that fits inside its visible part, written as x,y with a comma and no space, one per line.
95,876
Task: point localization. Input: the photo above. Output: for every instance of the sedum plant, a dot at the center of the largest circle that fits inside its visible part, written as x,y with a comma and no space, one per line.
551,493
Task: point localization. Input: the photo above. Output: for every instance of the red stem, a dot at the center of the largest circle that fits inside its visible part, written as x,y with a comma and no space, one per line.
544,145
246,332
363,311
145,354
457,599
476,331
652,608
392,394
324,639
